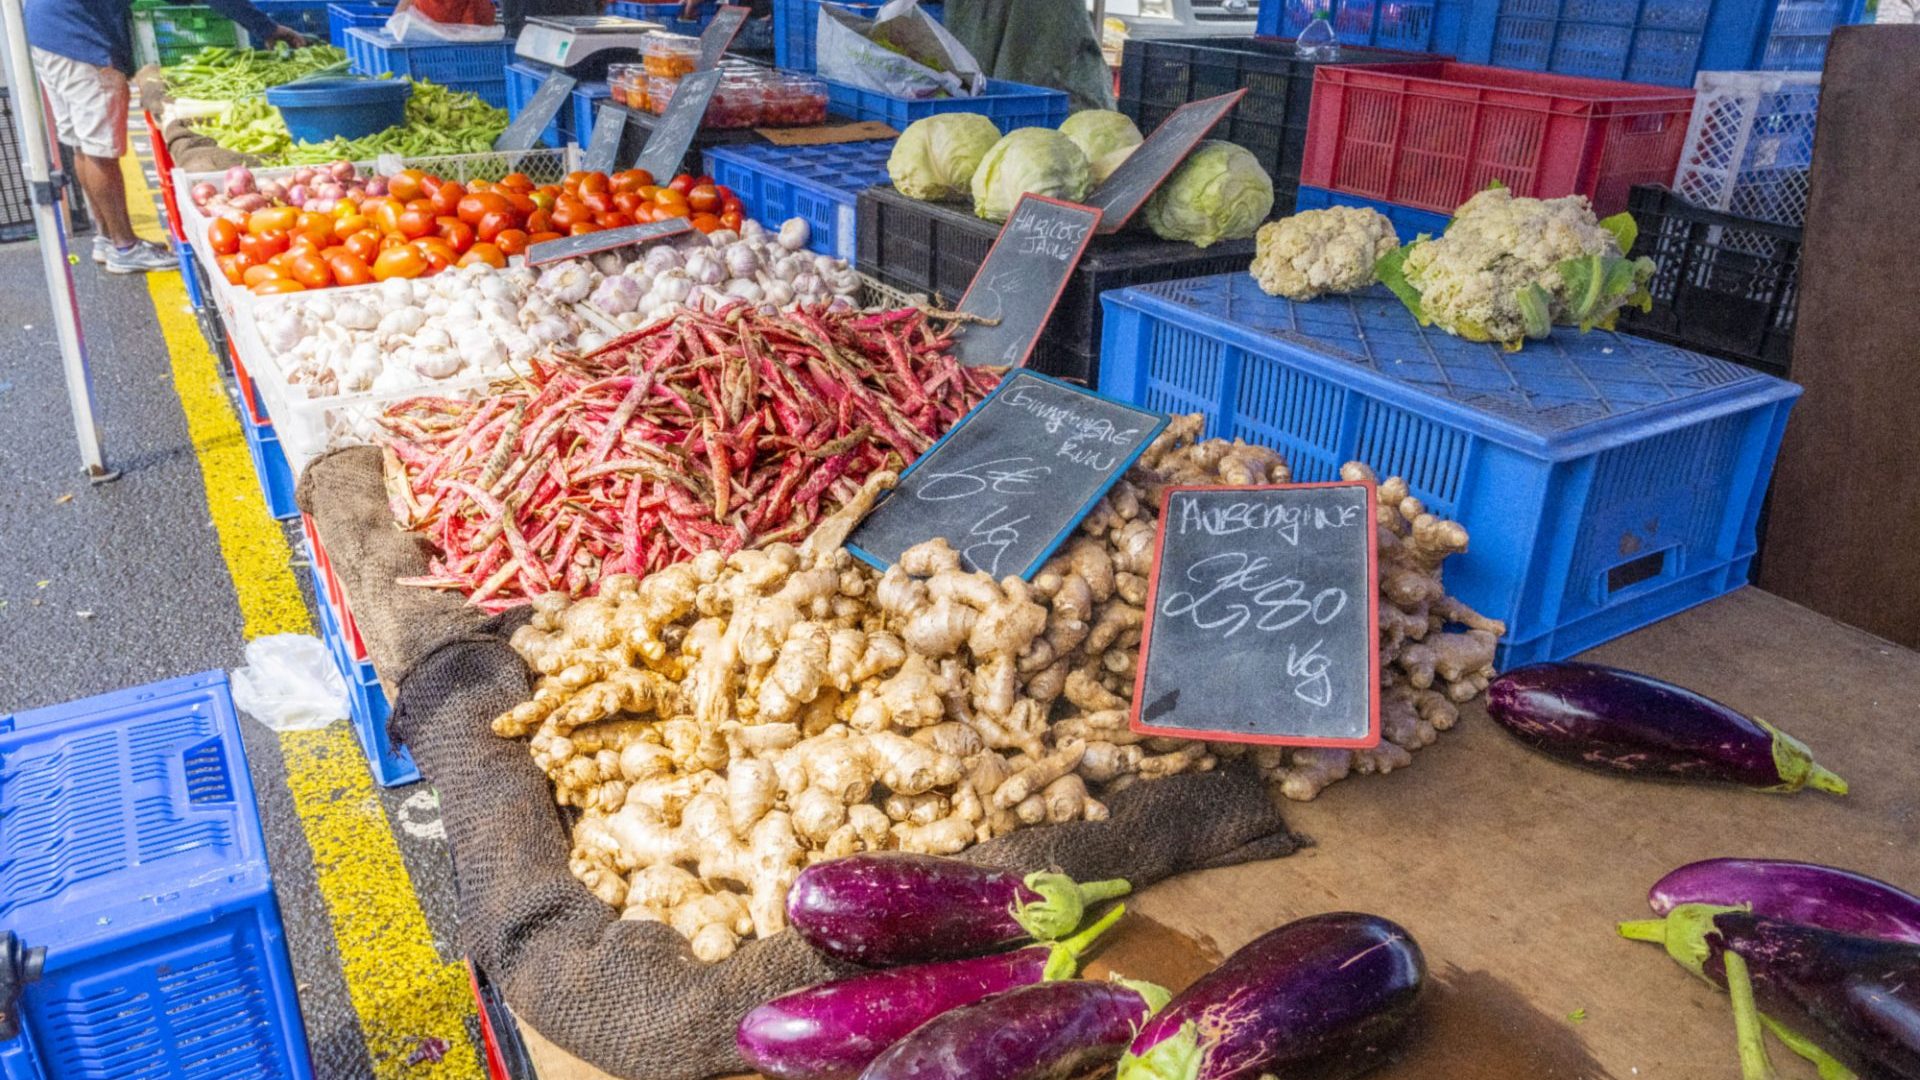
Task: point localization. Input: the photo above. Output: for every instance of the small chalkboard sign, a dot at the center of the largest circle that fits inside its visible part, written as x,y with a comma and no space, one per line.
1138,177
1263,617
540,111
719,34
603,150
670,138
1013,478
593,243
1022,278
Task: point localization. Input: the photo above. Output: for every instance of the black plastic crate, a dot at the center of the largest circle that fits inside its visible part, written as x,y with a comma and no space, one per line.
1157,77
16,198
935,248
640,124
1727,285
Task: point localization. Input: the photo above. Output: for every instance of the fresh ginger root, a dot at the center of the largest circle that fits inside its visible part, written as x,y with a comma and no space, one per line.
725,722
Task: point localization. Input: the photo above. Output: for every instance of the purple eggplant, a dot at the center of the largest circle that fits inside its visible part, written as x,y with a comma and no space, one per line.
1807,893
900,908
1830,996
1620,721
834,1030
1321,996
1052,1031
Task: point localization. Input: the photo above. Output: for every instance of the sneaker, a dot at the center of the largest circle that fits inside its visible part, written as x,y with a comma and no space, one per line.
101,247
143,257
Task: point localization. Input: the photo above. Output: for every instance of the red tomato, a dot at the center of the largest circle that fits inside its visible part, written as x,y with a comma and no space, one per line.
492,225
625,201
352,223
682,183
405,184
732,219
516,181
447,197
386,217
263,246
232,267
311,271
598,202
519,203
539,221
415,224
272,219
543,199
403,262
223,237
277,285
484,253
612,219
348,268
254,275
474,207
538,238
438,253
582,228
595,183
458,234
509,242
731,205
363,245
568,210
706,223
315,227
704,199
429,184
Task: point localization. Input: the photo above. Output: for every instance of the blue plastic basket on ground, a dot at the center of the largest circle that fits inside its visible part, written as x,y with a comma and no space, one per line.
1009,105
821,184
796,25
391,765
1413,25
131,850
344,17
475,67
1408,221
1606,481
340,106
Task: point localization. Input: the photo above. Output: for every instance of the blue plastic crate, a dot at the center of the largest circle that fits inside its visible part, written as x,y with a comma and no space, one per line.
1009,105
1665,42
587,99
523,81
307,16
344,17
131,849
1412,25
1408,221
269,461
796,22
476,67
189,273
821,184
660,13
391,765
1607,481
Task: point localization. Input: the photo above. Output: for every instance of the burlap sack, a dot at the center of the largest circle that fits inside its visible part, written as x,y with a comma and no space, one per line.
629,997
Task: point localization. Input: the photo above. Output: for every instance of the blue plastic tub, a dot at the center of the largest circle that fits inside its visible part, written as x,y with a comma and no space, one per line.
475,67
344,17
340,107
1606,481
1009,105
391,765
132,852
821,184
796,24
1408,221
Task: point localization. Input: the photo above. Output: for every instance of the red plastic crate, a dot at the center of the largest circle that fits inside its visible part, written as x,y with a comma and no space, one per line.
1433,133
163,171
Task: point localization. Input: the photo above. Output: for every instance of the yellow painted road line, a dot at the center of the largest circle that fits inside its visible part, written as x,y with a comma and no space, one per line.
404,993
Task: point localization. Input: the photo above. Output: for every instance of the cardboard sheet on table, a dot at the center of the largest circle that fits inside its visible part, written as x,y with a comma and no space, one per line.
1511,869
827,135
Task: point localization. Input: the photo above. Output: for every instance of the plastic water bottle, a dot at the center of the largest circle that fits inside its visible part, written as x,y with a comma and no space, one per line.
1318,43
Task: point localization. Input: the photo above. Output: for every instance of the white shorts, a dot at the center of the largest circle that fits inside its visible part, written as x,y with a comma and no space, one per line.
89,103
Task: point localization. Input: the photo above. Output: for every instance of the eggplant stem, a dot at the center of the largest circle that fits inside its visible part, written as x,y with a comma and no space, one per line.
1754,1064
1065,957
1654,930
1093,892
1062,903
1827,780
1830,1069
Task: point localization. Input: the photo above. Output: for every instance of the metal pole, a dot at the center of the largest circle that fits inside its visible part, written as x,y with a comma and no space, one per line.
50,222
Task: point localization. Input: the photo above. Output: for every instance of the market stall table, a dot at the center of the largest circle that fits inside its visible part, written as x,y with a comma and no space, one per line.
1511,869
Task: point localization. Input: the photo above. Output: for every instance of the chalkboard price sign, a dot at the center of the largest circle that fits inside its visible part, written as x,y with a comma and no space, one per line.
609,128
671,137
526,128
1263,617
1020,281
1013,478
1138,177
720,33
593,243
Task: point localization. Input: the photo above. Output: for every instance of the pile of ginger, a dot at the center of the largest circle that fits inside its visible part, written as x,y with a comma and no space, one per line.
723,723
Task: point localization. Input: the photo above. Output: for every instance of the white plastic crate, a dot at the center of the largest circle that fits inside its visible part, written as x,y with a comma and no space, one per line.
1749,144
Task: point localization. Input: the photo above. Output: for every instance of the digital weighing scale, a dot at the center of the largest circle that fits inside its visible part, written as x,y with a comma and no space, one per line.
582,45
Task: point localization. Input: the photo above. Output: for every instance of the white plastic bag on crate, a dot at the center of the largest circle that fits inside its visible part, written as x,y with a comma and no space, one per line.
411,26
290,683
919,58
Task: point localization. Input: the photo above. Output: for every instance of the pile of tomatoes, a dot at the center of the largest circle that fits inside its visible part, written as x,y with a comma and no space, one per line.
424,224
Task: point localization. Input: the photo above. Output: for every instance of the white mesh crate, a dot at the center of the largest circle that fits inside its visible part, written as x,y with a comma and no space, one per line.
1750,143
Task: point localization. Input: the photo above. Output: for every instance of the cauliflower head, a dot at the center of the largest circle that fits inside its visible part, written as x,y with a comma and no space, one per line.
1317,252
1509,267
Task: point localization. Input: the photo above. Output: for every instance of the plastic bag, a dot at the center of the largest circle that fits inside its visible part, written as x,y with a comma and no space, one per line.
900,52
290,683
415,27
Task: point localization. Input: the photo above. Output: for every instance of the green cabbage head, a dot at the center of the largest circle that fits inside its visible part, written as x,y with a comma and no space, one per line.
1219,193
1100,132
936,156
1035,160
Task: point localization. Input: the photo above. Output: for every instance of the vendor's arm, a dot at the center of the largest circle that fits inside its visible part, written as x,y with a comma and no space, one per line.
262,30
